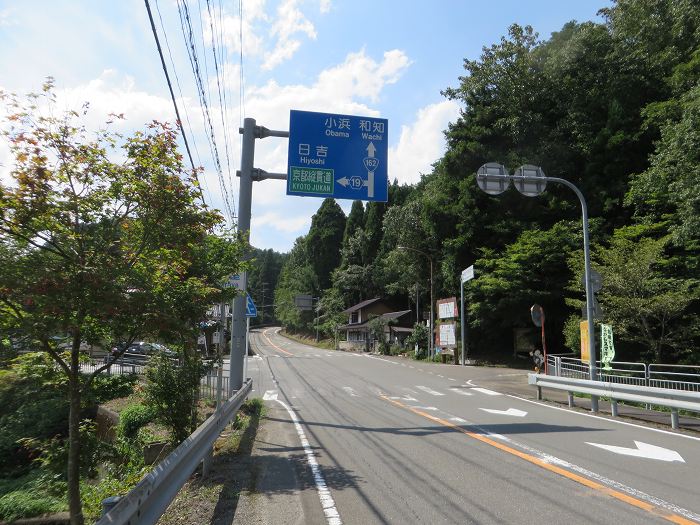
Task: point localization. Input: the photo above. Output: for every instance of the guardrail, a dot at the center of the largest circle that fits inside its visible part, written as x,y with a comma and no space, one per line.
672,398
676,377
152,495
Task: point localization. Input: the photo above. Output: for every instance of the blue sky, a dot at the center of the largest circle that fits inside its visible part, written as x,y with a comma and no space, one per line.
381,58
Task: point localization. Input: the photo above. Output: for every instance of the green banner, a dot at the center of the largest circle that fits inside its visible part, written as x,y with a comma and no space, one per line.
607,348
311,180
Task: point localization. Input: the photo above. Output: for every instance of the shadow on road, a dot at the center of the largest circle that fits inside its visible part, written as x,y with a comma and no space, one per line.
500,428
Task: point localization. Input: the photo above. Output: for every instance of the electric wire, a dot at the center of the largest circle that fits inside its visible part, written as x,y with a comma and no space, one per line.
182,97
221,98
188,34
172,96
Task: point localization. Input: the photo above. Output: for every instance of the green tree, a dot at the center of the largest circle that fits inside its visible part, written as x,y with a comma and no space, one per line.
262,281
324,240
102,239
355,221
646,306
297,277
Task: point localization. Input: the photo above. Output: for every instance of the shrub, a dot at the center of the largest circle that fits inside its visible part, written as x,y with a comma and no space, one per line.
132,418
172,393
104,387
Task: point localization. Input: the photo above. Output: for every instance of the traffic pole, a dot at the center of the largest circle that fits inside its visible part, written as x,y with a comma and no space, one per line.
238,317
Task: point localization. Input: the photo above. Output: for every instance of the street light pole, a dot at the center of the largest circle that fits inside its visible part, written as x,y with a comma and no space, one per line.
494,179
432,303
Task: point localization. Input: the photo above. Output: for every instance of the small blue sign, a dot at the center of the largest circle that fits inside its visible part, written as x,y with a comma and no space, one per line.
339,156
250,309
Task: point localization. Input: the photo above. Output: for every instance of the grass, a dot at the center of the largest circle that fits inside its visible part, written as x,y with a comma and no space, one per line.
240,441
214,499
32,494
328,344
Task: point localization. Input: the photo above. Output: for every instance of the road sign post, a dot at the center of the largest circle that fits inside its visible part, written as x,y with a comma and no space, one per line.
339,156
467,275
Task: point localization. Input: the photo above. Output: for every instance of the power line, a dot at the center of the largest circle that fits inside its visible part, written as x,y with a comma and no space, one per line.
188,34
172,96
221,101
179,88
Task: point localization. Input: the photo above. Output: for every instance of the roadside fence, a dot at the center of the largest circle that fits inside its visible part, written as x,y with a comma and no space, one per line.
676,377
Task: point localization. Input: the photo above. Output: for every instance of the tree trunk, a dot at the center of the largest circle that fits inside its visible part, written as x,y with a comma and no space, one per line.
74,503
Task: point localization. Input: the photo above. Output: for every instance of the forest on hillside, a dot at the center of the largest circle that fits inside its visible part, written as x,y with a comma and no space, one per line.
614,108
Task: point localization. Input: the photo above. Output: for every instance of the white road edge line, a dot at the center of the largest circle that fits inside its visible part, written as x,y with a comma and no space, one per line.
611,419
324,494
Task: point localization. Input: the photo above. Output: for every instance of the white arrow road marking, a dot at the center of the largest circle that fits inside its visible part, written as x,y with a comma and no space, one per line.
643,450
350,391
487,391
510,412
270,395
430,391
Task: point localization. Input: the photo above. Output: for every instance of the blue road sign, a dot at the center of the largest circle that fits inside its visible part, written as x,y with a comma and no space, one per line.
250,309
338,156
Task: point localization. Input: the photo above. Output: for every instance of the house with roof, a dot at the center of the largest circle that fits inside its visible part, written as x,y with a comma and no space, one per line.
356,334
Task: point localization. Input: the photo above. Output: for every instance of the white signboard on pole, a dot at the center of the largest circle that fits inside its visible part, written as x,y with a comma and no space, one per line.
468,274
447,334
447,308
237,281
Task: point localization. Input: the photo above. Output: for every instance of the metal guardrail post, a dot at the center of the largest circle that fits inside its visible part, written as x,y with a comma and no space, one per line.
613,407
109,503
570,399
206,462
674,418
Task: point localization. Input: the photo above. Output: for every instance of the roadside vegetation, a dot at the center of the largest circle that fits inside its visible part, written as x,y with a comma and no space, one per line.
104,239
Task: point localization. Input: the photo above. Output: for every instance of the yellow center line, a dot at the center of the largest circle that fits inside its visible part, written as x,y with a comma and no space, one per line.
663,513
273,344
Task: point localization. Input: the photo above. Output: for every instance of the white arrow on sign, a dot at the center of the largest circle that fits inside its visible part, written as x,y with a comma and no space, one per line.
510,412
343,182
643,450
371,150
270,395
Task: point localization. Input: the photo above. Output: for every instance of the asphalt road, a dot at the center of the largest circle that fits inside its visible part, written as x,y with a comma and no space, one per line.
353,438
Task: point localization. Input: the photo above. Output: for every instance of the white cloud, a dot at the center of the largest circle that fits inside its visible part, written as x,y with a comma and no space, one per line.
7,18
251,28
282,223
421,143
361,76
325,6
290,21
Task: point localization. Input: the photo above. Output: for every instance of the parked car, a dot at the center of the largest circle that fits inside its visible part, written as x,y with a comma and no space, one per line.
138,353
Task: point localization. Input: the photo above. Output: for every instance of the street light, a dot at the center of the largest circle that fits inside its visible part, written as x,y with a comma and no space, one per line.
432,335
493,178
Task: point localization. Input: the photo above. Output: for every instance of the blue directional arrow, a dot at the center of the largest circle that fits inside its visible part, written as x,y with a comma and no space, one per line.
250,309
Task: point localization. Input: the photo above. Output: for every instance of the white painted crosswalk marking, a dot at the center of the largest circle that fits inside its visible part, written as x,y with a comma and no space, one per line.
429,391
460,391
487,391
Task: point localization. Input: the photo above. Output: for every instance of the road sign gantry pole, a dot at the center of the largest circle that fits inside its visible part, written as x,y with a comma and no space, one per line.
247,175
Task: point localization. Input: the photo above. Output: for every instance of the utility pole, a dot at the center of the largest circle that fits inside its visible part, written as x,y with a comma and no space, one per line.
262,304
247,175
